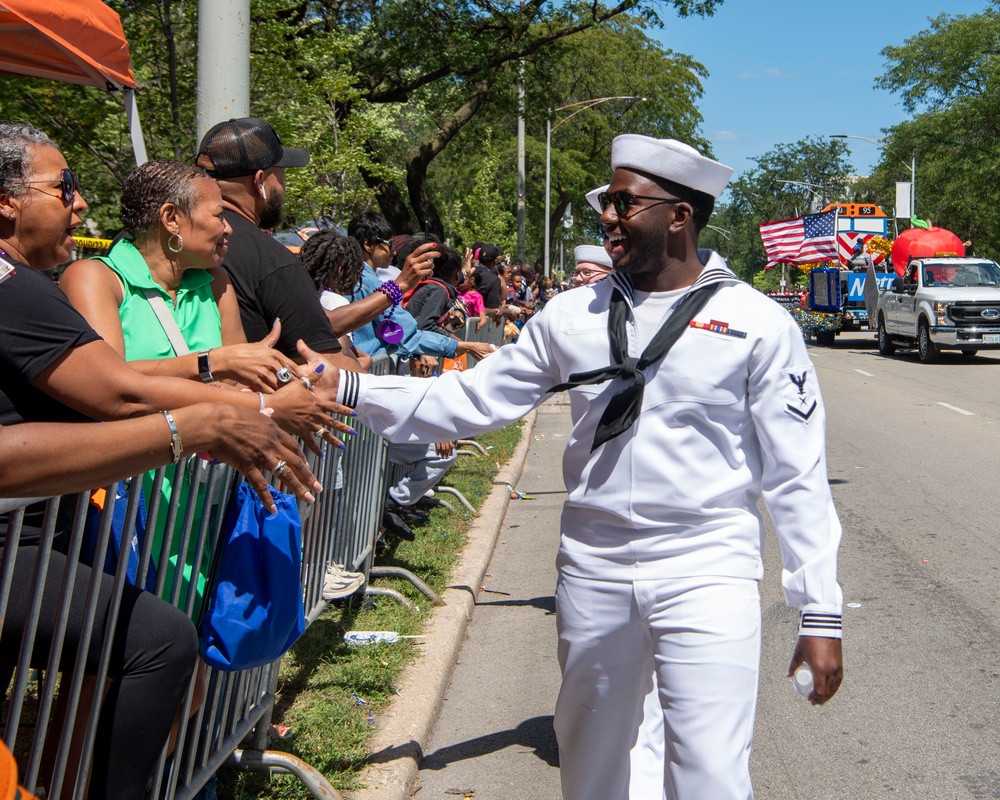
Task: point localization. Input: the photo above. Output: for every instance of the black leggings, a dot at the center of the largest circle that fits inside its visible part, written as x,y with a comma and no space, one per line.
153,656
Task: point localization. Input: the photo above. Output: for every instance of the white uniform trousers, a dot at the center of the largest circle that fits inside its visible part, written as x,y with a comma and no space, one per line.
427,469
647,757
702,637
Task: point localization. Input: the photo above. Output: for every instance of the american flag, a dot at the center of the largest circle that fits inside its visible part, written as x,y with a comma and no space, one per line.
800,240
845,245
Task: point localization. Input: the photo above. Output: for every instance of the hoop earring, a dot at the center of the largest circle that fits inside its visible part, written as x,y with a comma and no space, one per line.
179,242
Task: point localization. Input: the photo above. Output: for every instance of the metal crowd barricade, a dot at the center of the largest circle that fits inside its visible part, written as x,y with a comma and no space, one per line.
231,726
491,332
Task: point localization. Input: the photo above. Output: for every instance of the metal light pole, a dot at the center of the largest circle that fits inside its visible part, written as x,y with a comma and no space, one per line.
223,62
811,188
725,234
549,127
520,164
520,157
912,165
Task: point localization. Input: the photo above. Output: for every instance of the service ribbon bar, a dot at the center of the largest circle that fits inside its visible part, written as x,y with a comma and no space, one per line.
718,327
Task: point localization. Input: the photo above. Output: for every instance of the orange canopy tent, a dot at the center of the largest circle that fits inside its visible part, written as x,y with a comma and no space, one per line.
77,41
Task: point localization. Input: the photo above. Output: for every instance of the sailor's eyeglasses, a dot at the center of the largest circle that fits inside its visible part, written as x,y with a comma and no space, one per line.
623,201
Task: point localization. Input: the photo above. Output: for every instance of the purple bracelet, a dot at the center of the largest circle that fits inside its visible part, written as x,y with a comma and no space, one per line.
391,290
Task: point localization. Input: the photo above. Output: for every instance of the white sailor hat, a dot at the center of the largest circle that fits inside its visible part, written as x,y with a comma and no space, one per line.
592,197
592,254
670,159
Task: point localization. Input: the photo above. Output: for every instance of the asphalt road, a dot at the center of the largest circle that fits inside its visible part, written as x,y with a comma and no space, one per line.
912,454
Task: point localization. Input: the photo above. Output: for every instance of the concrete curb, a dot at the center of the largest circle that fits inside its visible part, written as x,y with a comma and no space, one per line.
405,729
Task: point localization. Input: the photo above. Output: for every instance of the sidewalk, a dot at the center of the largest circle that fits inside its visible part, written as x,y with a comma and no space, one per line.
495,688
494,736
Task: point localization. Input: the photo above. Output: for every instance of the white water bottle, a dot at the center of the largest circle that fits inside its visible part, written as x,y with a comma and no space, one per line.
802,680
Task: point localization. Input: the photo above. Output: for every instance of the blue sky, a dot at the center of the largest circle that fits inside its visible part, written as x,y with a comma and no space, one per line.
782,70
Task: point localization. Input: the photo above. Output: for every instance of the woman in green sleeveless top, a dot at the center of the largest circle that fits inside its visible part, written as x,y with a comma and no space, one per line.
164,302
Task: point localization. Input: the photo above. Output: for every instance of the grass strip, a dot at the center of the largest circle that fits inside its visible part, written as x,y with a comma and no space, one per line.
329,692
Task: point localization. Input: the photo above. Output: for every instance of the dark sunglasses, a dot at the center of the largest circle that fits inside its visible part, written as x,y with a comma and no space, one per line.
68,184
623,201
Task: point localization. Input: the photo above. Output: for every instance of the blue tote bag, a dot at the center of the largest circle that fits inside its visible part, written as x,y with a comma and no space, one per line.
119,539
254,610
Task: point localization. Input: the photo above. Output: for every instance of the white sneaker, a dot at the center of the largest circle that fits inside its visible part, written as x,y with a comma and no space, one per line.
340,583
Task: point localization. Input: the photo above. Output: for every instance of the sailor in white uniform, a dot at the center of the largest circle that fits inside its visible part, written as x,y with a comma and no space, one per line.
660,551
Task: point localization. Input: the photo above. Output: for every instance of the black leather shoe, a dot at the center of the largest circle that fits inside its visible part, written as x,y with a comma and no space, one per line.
409,514
395,526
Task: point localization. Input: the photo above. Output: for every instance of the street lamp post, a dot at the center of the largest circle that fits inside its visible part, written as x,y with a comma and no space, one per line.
549,127
725,234
912,165
811,188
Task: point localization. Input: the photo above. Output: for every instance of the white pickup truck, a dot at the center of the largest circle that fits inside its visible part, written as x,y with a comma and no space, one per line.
941,303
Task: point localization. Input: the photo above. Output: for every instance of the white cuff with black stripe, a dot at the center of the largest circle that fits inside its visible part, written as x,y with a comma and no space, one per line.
821,623
348,389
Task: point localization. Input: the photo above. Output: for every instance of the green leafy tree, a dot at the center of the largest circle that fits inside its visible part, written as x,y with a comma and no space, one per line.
948,77
478,214
633,65
379,90
456,58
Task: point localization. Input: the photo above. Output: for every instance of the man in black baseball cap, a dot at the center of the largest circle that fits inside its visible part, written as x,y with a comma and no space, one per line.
248,161
243,146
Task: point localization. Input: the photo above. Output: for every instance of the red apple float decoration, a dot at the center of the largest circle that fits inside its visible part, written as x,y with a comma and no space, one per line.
923,240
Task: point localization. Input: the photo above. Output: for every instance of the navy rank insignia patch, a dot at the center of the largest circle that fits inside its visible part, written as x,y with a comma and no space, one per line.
800,392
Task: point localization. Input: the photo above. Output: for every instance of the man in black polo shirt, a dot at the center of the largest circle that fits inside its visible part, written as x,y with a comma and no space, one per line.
247,160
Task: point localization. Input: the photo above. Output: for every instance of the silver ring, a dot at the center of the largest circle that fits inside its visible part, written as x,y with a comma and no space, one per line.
307,382
283,375
279,468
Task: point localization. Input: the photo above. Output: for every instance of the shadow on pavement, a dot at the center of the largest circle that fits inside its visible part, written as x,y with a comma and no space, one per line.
546,604
536,733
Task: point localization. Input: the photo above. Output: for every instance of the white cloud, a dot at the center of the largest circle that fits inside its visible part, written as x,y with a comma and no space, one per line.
725,136
769,73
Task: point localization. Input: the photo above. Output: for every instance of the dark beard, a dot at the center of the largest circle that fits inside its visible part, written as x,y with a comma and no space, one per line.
637,262
271,214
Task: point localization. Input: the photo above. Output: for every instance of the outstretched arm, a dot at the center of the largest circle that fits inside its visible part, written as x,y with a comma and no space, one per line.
498,391
43,458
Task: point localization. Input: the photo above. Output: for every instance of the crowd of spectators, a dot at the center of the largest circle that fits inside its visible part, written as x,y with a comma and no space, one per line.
198,332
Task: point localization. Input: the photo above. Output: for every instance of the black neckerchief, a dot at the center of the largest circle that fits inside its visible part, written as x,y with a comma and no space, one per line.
626,403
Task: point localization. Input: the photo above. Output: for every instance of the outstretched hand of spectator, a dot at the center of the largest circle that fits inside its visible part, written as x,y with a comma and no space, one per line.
253,364
479,350
304,406
253,444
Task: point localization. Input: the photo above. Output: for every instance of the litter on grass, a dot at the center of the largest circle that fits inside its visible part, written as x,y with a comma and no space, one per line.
373,637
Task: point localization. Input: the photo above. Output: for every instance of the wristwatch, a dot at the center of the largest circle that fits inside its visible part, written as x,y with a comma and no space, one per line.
204,368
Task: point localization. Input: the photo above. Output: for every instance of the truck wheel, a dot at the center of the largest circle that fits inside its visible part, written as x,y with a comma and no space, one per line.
885,345
927,351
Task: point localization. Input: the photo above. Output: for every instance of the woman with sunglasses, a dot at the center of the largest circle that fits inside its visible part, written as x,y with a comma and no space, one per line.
55,368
